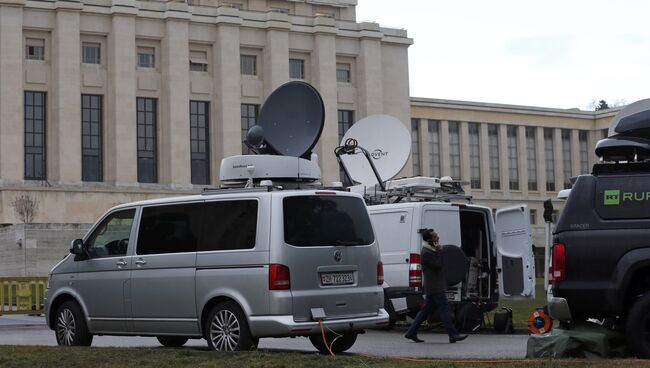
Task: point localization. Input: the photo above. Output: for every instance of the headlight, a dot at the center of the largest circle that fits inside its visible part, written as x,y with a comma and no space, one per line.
49,278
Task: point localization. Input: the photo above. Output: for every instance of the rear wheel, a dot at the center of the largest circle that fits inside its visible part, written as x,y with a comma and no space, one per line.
637,327
337,344
70,326
172,341
227,328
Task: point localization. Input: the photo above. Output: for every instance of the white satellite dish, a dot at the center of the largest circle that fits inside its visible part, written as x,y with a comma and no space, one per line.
387,141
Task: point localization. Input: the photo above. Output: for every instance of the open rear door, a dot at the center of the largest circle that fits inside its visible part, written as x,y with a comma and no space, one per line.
515,259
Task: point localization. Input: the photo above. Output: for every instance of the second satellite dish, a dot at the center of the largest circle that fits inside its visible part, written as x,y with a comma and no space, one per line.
291,120
388,142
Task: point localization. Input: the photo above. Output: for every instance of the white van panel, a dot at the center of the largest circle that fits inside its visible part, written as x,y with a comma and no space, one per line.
393,231
445,220
515,258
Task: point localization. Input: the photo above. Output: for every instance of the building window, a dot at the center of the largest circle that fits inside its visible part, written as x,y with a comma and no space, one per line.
531,156
35,122
297,68
415,146
549,147
248,119
146,57
346,119
454,149
35,49
474,156
248,65
566,157
91,138
495,169
90,53
200,142
434,148
513,158
147,112
343,73
198,61
533,217
584,152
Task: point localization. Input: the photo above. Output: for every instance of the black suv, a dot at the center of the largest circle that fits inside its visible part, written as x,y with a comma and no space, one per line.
600,265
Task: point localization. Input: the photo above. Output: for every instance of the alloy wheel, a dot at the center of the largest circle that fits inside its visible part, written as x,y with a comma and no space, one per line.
65,327
225,331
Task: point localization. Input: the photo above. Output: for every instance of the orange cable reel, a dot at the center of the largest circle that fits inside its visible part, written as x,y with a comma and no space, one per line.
539,322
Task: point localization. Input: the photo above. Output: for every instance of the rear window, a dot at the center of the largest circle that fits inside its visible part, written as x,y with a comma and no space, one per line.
312,221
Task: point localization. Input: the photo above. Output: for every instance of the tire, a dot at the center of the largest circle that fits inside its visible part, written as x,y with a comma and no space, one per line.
637,327
70,326
226,329
172,341
341,344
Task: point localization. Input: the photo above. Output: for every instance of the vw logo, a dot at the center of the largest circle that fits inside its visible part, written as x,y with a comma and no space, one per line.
338,256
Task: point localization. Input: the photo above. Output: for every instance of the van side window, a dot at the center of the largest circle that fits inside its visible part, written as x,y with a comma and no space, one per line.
111,237
230,225
169,229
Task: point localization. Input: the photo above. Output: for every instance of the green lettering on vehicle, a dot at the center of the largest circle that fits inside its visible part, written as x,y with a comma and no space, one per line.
627,196
612,197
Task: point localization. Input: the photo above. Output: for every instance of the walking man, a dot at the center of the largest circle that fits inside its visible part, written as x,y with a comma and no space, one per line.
435,286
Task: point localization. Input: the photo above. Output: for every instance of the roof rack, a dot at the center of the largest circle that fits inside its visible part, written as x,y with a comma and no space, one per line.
416,189
208,191
619,168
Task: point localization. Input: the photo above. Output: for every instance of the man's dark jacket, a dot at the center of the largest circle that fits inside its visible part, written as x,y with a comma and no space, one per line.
432,268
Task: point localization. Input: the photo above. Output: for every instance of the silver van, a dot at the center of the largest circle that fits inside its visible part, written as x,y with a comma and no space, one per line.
230,266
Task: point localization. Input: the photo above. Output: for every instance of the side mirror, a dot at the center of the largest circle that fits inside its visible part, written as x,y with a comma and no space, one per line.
548,210
77,247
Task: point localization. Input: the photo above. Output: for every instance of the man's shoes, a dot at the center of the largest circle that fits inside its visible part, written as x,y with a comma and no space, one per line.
414,338
453,339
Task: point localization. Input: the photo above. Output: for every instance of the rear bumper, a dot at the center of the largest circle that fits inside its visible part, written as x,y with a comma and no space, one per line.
281,326
558,308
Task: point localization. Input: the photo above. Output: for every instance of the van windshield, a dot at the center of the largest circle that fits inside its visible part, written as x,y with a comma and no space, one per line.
312,221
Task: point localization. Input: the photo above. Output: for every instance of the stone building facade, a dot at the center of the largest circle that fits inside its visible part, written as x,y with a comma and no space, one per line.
110,101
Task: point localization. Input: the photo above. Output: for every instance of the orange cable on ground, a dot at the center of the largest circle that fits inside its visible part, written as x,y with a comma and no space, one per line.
322,331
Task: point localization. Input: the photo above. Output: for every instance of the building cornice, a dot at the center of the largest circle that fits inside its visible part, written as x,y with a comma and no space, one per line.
512,109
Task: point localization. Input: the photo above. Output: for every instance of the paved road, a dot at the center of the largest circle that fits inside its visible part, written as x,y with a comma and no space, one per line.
26,330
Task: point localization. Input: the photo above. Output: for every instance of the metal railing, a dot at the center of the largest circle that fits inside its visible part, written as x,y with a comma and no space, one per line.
22,295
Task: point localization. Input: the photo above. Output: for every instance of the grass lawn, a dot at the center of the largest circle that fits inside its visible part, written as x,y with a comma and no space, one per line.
51,356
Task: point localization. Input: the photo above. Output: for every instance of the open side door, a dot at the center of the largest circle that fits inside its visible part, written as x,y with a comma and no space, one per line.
515,259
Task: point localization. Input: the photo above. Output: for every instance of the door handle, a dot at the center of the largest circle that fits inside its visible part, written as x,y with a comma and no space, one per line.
140,262
121,263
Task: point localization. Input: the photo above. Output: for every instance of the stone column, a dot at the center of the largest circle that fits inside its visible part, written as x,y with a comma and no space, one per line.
369,71
323,62
523,163
11,91
226,125
485,158
541,161
276,52
445,166
121,148
503,159
559,163
174,127
64,148
423,143
575,153
464,152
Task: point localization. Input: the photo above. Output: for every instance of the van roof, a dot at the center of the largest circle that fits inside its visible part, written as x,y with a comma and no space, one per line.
230,194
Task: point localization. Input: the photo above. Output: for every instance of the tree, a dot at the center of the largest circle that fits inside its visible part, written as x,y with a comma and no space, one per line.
602,105
25,207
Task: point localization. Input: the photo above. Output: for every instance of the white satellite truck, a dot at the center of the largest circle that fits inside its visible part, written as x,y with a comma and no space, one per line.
485,257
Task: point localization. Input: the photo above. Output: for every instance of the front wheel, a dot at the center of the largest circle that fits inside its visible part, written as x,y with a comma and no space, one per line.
337,343
70,327
227,329
172,341
637,327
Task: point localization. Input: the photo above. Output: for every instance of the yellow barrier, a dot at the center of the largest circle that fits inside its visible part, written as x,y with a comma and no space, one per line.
22,295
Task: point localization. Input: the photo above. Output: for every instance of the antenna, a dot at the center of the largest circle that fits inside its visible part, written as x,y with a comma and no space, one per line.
290,122
388,144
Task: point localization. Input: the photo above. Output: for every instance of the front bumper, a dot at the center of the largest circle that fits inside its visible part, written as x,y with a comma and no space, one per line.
282,326
558,308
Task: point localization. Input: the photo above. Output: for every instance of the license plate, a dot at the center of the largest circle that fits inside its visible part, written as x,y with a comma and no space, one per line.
337,278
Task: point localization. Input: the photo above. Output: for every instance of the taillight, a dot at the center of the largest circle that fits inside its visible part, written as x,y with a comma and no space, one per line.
279,277
558,263
415,271
380,273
